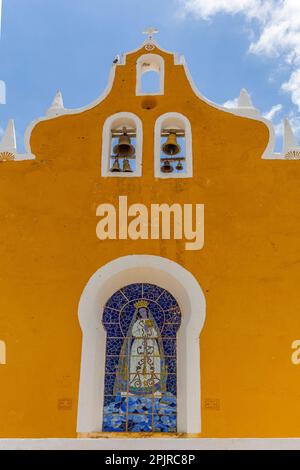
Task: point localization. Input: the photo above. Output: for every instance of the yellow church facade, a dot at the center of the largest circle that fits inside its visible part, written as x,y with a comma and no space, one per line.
149,292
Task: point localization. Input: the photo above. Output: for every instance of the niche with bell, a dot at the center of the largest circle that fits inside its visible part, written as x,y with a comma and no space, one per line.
172,158
123,150
122,145
173,154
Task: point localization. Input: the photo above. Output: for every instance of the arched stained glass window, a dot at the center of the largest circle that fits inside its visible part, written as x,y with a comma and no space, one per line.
141,321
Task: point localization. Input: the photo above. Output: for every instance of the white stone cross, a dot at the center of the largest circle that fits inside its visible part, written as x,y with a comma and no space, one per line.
150,32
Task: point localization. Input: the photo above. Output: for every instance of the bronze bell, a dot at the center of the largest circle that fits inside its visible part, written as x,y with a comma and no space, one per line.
126,166
167,167
124,147
179,166
171,146
116,166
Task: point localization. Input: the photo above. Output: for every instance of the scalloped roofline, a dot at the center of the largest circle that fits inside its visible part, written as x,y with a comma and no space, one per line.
178,60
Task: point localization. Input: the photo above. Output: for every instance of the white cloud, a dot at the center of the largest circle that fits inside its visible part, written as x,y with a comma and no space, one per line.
295,124
207,8
231,103
273,112
293,87
278,129
279,30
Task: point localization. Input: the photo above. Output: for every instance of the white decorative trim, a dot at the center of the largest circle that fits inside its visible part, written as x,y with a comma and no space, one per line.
57,107
8,142
21,157
156,64
72,111
119,120
289,139
173,121
101,286
178,60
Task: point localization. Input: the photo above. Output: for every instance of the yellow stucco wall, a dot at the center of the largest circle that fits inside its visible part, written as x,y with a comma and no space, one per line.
249,267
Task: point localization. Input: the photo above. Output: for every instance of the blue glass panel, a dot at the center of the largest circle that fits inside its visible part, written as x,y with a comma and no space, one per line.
141,410
169,347
126,317
114,404
165,405
151,292
167,301
114,423
139,423
171,365
140,405
117,301
109,384
110,316
173,316
114,331
113,346
170,330
166,423
109,402
158,314
111,364
133,292
124,405
172,384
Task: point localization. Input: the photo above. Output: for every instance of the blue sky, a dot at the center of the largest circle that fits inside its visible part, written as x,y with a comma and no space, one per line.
69,45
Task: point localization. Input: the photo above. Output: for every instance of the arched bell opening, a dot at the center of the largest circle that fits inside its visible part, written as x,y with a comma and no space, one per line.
122,145
150,75
150,82
173,146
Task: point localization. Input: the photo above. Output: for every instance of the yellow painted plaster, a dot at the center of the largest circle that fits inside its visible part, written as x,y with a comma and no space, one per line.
249,268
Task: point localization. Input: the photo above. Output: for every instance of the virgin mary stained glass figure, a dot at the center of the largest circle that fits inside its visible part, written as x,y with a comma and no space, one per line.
141,370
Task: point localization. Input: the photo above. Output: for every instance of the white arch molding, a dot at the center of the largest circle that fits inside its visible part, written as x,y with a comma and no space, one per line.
101,286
